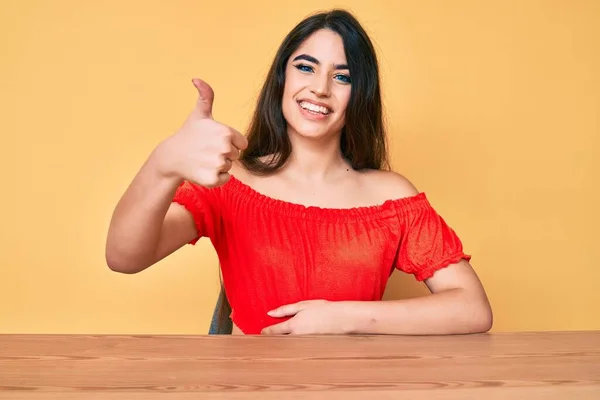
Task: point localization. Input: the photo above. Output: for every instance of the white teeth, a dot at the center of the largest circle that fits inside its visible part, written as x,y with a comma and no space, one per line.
319,109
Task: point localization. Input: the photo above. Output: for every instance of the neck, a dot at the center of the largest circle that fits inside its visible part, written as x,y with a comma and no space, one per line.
315,159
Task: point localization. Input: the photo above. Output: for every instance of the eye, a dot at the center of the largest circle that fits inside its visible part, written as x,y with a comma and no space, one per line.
304,68
343,78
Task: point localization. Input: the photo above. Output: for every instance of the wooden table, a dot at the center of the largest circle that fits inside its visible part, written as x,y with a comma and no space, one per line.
532,366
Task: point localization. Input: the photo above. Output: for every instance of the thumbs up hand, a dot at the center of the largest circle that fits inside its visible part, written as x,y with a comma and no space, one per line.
202,150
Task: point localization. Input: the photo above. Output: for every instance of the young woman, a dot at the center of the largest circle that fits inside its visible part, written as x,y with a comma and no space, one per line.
306,218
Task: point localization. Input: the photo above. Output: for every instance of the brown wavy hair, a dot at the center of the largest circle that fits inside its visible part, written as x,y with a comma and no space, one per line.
363,140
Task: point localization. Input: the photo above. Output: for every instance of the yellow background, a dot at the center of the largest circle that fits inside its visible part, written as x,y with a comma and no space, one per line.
493,110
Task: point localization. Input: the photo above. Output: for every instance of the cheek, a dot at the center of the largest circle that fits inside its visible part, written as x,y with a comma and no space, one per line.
292,81
288,92
291,88
287,101
343,100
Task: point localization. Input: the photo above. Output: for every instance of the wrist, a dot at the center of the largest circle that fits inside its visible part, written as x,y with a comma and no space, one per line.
368,317
157,168
352,316
160,164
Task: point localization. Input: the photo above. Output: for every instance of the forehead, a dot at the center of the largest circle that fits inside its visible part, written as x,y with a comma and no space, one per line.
325,45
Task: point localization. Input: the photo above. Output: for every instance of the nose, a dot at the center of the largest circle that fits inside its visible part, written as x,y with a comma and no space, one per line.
320,85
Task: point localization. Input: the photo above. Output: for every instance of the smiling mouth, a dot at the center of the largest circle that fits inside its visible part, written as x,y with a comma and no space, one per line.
314,109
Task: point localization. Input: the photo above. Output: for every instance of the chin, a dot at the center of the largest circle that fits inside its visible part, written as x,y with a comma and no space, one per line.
310,132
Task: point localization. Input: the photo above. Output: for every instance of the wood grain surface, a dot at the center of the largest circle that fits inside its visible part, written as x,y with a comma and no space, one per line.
549,365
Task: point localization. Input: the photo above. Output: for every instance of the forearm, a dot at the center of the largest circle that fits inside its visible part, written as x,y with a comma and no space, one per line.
455,311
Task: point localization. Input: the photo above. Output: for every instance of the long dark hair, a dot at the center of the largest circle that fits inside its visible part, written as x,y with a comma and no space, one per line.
363,141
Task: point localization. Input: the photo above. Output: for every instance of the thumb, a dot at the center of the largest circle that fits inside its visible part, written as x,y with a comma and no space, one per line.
205,98
287,310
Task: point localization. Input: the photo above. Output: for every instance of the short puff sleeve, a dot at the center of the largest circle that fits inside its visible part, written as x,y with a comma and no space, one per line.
427,243
203,204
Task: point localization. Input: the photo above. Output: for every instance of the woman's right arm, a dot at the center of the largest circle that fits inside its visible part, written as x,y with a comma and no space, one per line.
147,225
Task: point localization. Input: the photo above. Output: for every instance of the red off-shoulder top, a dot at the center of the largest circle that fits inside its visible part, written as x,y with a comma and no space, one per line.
274,252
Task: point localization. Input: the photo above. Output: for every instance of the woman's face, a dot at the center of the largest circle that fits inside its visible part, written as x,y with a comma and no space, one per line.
317,86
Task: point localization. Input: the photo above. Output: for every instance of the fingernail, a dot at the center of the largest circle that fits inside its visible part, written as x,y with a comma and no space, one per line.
272,313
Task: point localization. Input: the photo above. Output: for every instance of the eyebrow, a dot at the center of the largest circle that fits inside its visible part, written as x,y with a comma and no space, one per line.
313,60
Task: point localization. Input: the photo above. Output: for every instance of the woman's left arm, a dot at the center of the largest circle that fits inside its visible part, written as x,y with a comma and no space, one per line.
457,304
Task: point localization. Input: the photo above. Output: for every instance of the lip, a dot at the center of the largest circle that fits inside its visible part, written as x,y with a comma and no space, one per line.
312,116
317,103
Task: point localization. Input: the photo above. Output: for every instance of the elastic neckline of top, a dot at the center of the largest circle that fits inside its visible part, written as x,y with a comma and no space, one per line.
389,208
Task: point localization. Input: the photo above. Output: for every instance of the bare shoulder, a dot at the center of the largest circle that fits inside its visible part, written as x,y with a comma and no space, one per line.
245,176
388,184
238,170
241,173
